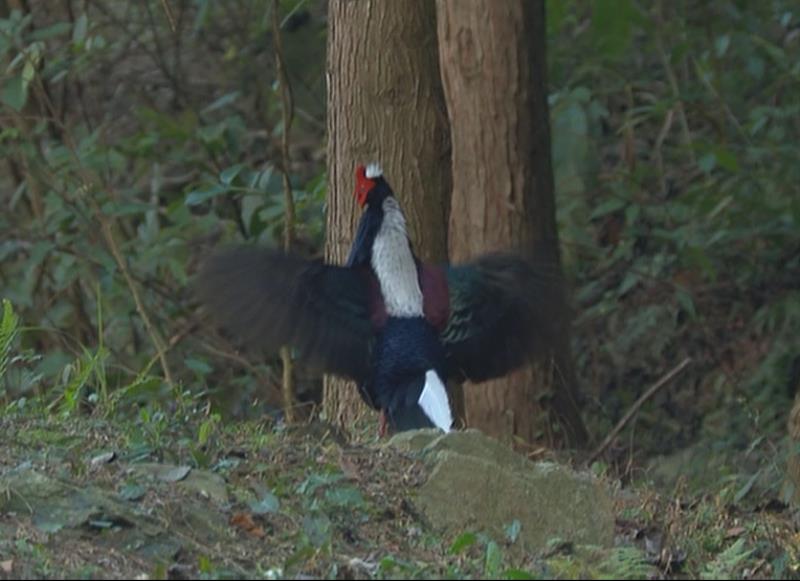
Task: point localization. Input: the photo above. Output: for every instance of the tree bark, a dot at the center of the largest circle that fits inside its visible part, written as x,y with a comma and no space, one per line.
494,71
385,104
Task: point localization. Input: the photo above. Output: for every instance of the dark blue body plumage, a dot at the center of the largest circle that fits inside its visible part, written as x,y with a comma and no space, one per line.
406,348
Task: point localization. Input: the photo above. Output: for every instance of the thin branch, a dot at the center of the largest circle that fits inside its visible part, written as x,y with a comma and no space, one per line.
287,104
657,154
170,17
635,408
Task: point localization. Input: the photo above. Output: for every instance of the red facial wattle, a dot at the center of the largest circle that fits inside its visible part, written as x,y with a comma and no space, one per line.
363,185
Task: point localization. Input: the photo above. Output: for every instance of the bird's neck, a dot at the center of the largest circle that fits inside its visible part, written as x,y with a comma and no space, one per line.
394,264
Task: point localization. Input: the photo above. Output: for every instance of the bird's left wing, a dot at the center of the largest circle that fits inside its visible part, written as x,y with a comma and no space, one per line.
269,298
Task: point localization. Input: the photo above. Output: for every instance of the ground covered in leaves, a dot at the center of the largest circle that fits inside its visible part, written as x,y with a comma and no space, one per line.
186,497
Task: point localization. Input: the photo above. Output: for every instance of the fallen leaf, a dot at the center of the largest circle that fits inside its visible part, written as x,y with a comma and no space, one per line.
133,492
104,458
244,521
176,474
7,566
734,532
268,503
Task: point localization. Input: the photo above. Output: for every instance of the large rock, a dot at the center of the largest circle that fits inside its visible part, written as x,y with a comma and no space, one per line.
478,484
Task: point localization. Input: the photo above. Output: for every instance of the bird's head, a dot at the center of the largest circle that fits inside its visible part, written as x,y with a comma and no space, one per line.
371,188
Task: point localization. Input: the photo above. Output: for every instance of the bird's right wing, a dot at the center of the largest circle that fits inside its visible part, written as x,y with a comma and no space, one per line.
503,311
269,298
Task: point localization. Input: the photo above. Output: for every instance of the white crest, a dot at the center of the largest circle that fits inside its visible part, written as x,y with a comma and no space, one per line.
373,171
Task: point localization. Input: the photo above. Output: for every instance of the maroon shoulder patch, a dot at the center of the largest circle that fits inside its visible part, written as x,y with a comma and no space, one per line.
435,295
376,306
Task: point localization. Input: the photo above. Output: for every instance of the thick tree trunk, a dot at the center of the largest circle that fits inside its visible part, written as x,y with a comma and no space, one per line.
385,104
493,67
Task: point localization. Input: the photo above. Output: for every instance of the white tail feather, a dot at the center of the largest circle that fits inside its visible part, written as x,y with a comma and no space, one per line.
434,402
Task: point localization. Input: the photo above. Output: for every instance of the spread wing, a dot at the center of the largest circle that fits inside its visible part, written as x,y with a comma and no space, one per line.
269,298
503,311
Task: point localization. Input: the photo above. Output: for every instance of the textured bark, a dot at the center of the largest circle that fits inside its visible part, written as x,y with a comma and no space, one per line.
385,104
493,68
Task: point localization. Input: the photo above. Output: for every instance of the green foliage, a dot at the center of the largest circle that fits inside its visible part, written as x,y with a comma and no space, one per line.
163,149
589,562
9,328
726,563
625,563
679,210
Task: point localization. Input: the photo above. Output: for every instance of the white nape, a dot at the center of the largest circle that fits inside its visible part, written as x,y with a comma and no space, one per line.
373,171
434,402
394,264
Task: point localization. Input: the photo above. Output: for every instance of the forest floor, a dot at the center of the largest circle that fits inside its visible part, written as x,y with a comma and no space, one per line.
182,497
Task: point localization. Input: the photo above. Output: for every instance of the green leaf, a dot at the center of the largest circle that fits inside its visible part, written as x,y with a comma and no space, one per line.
745,490
462,542
315,481
223,101
512,531
145,389
9,327
269,503
175,474
266,181
33,57
726,159
345,497
726,563
207,429
707,162
198,366
228,175
132,492
317,529
721,44
631,279
197,197
494,560
81,26
686,302
15,92
609,206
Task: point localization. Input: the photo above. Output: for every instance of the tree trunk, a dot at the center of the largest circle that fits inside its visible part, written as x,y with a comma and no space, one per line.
493,68
385,104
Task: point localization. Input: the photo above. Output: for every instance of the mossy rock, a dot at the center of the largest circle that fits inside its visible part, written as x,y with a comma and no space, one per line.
477,483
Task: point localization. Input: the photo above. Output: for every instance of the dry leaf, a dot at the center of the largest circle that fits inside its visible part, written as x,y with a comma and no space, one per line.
244,521
734,532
